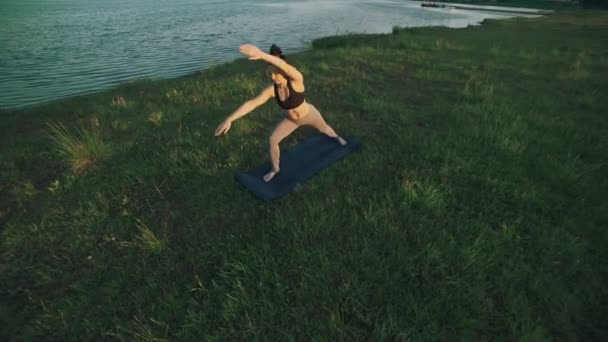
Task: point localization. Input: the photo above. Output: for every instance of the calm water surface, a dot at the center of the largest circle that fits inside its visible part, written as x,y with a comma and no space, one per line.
51,49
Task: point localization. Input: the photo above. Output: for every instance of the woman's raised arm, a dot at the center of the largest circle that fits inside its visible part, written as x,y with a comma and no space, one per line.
254,54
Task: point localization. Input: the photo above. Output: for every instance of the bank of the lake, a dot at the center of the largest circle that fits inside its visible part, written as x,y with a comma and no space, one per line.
58,49
476,209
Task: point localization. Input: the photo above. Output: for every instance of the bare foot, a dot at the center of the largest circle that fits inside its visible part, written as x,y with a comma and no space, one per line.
269,175
341,141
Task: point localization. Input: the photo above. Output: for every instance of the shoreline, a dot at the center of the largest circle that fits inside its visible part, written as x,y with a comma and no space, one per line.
31,106
446,5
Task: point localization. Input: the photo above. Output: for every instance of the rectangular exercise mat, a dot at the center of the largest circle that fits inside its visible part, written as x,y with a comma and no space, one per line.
298,164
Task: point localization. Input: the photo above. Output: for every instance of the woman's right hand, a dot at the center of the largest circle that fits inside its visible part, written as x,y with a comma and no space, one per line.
251,51
223,128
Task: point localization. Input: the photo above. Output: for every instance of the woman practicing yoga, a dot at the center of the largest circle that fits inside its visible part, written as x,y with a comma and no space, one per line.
288,90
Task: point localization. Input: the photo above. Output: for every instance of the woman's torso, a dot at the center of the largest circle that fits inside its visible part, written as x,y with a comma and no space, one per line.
284,94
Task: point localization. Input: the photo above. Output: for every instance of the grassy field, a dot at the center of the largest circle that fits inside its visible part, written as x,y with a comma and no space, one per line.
476,209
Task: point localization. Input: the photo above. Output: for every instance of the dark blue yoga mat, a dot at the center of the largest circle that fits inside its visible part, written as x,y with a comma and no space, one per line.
298,164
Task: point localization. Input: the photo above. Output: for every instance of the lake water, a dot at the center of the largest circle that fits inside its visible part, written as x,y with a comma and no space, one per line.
52,49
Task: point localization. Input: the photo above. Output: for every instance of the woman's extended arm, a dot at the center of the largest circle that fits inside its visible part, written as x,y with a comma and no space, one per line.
254,54
245,109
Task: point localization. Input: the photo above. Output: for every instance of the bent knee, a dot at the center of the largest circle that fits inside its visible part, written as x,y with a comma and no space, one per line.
274,140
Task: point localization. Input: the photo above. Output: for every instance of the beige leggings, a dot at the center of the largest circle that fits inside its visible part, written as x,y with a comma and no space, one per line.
287,126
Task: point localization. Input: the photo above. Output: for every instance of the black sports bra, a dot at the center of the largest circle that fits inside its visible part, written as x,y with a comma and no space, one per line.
293,101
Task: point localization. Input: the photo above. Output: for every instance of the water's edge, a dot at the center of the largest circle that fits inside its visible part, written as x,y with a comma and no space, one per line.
309,46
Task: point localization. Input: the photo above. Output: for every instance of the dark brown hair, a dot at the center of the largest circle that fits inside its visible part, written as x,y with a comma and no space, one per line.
276,51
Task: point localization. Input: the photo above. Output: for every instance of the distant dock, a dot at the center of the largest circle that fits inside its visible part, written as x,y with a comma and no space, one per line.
484,9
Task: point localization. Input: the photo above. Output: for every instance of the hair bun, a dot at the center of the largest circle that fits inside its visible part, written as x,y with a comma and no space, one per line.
276,51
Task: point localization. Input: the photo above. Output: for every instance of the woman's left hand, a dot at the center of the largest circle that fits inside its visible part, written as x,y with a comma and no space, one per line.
250,50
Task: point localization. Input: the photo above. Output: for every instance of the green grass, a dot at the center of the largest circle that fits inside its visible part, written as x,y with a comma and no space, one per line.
79,151
476,209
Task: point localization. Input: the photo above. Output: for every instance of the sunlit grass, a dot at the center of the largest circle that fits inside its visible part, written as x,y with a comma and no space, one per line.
156,118
79,150
419,194
119,101
120,125
579,71
444,44
148,239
